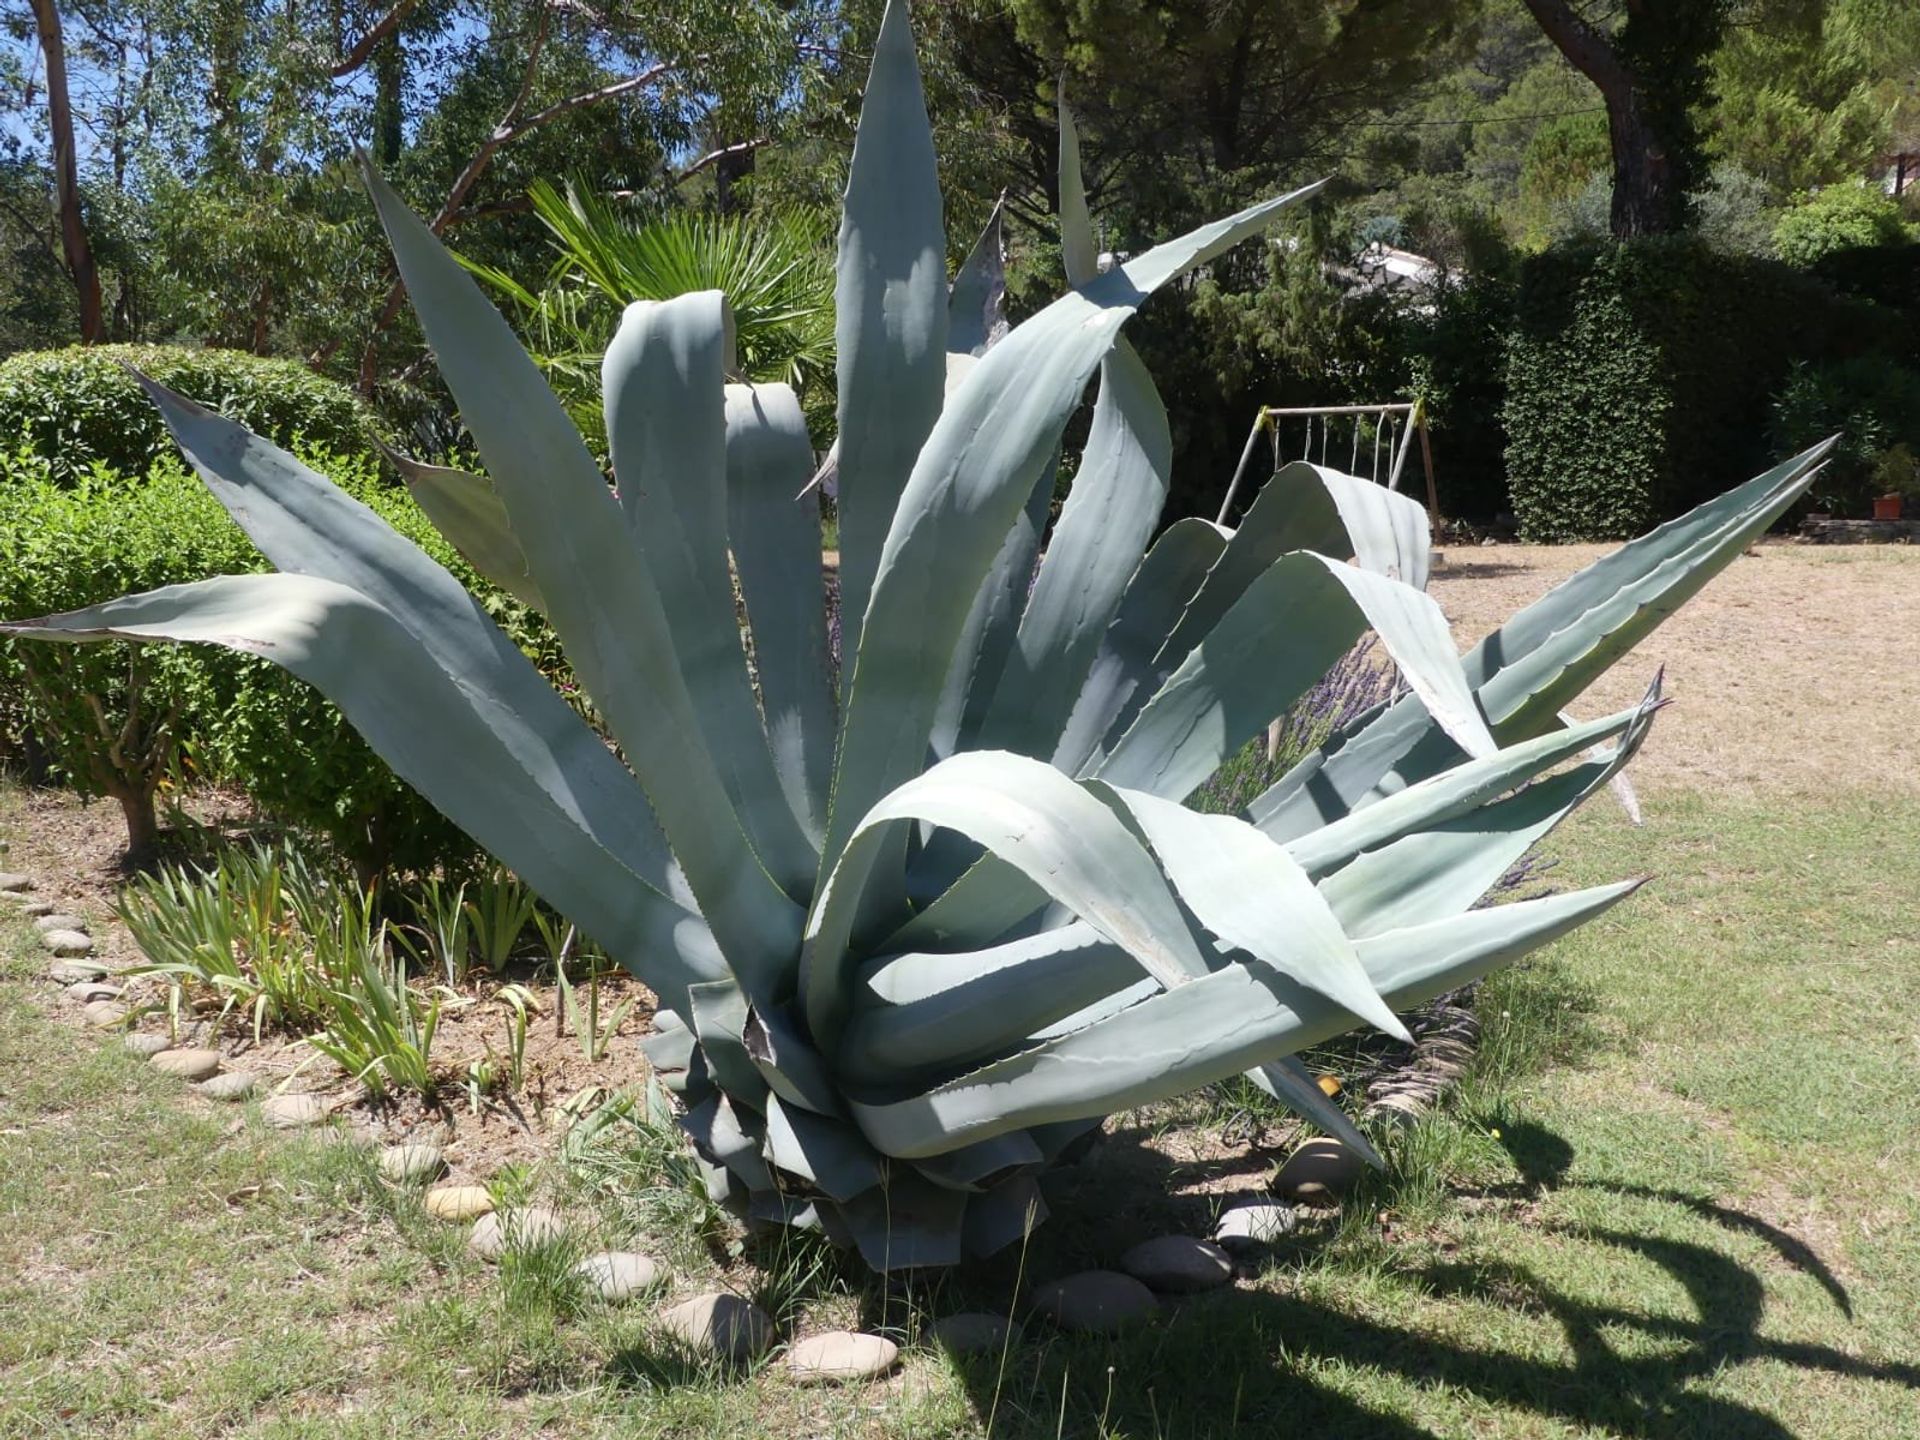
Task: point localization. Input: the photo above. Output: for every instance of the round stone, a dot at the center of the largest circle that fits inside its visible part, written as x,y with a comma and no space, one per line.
1178,1264
147,1044
14,883
1320,1171
293,1112
971,1332
71,972
59,920
526,1229
67,943
87,991
231,1085
1095,1302
104,1014
187,1064
1249,1226
619,1274
840,1356
36,908
458,1203
412,1164
722,1325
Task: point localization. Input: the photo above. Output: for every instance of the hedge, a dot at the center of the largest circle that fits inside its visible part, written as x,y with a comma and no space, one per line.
78,408
238,719
1641,376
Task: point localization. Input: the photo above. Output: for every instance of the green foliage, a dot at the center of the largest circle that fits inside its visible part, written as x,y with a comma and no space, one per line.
377,1027
79,408
1813,94
775,268
1561,158
239,929
64,713
1873,405
1640,377
1457,349
1841,217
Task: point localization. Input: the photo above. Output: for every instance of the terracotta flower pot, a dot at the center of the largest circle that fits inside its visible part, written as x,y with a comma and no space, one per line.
1886,507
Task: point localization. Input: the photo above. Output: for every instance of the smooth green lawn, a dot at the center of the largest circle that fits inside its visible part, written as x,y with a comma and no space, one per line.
1675,1199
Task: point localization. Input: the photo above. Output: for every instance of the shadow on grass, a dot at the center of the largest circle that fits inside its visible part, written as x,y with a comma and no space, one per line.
1256,1362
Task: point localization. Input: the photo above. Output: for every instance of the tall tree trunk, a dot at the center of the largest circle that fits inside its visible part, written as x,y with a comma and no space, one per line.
1649,74
66,174
1646,200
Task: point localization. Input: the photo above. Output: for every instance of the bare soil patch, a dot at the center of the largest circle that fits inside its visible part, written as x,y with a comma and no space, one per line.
1797,671
76,852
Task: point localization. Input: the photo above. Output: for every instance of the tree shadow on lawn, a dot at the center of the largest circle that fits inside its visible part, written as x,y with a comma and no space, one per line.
1256,1362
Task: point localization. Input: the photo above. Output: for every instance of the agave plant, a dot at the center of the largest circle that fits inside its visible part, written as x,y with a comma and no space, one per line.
917,929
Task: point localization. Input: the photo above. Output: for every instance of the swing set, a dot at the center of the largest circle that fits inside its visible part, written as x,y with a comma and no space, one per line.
1398,424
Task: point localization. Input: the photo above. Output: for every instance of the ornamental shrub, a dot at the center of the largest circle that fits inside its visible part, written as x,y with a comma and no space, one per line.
115,720
1872,404
78,408
1840,217
1640,376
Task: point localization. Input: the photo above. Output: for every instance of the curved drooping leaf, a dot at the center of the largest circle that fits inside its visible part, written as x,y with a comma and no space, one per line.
773,525
435,733
973,475
1031,818
306,525
1195,1034
1270,648
600,598
1249,892
890,301
663,383
1535,665
1306,507
920,1011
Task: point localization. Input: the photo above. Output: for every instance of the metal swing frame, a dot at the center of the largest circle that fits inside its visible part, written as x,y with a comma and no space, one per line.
1416,425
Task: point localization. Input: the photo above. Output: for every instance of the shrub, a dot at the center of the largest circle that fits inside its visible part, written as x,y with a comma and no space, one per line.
1873,405
78,408
1640,376
1840,217
112,721
1885,275
1458,348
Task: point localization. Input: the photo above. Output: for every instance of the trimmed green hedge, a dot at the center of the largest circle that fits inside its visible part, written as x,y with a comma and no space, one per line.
77,408
1640,377
237,718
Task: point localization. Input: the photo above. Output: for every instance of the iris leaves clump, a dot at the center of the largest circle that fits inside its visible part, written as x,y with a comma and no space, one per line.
916,929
